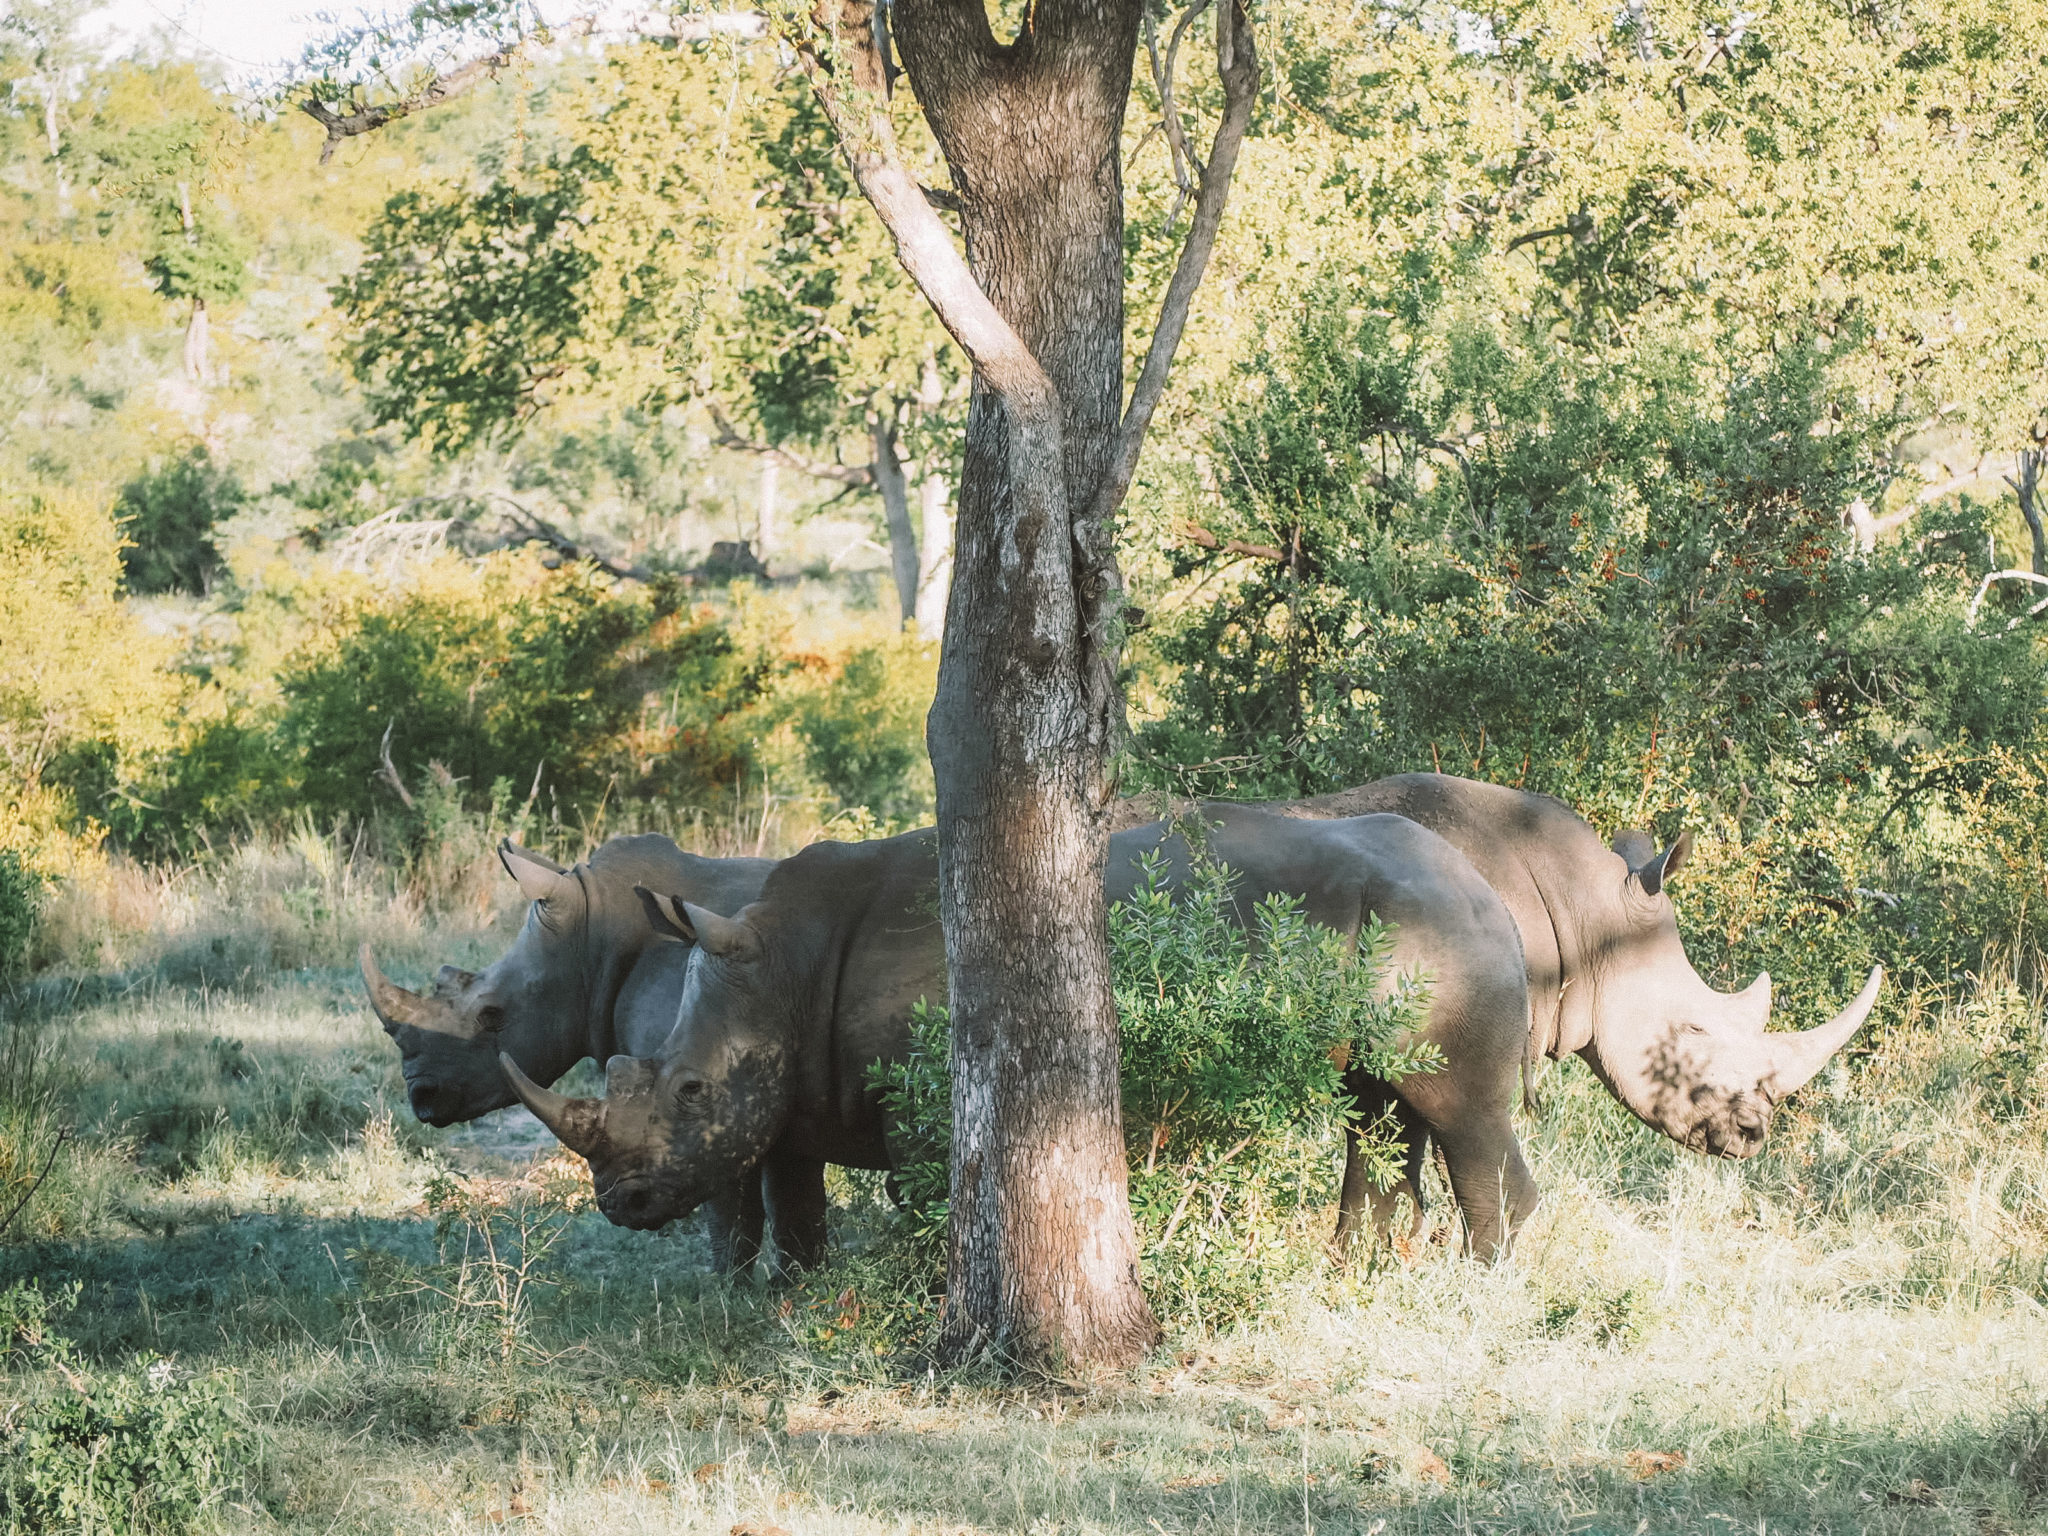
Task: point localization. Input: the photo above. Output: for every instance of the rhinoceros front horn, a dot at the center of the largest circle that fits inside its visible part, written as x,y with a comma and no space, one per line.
577,1123
395,1006
1796,1058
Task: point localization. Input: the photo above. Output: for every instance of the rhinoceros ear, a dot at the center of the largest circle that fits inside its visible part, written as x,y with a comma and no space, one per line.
1651,876
721,936
537,875
665,915
1635,846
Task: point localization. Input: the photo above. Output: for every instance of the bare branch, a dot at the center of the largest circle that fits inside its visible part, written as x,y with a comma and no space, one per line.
1984,586
1196,534
346,120
1237,62
1169,114
853,476
1867,528
388,770
530,528
49,1162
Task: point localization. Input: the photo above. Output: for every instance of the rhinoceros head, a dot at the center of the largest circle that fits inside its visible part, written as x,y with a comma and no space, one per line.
450,1038
672,1131
1697,1064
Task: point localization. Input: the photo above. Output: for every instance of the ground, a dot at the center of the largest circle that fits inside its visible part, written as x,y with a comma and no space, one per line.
1848,1335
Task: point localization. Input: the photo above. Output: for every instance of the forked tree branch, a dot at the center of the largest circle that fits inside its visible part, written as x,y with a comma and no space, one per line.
849,87
346,120
1237,62
1185,167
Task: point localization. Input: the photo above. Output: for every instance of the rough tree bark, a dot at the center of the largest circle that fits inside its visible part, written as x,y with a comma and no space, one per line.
935,553
1043,1257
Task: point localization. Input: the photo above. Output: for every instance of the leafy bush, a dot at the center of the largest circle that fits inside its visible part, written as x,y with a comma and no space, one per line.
168,513
486,674
1233,1097
1623,580
21,891
134,1451
863,731
1232,1039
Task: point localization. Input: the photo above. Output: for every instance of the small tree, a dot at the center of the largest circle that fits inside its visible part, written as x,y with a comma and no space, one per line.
1030,702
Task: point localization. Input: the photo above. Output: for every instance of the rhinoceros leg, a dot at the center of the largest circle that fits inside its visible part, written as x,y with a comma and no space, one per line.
1494,1187
1360,1196
796,1201
735,1219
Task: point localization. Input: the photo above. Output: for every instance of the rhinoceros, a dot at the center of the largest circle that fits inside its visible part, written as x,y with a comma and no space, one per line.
585,977
1608,976
788,1004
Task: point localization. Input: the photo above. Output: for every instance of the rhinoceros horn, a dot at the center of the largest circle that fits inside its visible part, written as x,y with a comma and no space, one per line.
537,875
1796,1058
395,1006
1749,1011
577,1123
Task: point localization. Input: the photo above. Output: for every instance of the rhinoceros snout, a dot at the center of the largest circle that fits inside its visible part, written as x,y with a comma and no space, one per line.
1737,1132
432,1104
635,1205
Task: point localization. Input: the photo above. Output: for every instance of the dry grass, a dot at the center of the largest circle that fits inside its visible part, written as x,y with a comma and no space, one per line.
1847,1334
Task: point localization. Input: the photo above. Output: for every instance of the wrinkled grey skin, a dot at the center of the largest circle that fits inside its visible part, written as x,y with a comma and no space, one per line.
787,1005
585,977
1608,975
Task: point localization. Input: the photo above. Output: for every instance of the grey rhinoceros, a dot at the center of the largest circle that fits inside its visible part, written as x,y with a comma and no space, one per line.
585,977
1608,976
787,1005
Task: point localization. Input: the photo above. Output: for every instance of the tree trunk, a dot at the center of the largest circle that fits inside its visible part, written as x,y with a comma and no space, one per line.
1043,1261
196,343
896,511
935,572
764,515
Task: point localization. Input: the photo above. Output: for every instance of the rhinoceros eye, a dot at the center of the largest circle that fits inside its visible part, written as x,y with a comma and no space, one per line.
491,1018
690,1088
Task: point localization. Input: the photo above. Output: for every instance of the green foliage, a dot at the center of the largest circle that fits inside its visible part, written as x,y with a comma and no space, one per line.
167,513
84,690
140,1450
1629,587
486,676
21,893
916,1094
1231,1033
1230,1038
467,305
863,730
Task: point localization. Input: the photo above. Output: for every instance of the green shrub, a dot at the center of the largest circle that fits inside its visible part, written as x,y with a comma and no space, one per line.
140,1450
496,671
1632,589
168,513
21,893
863,732
1232,1096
